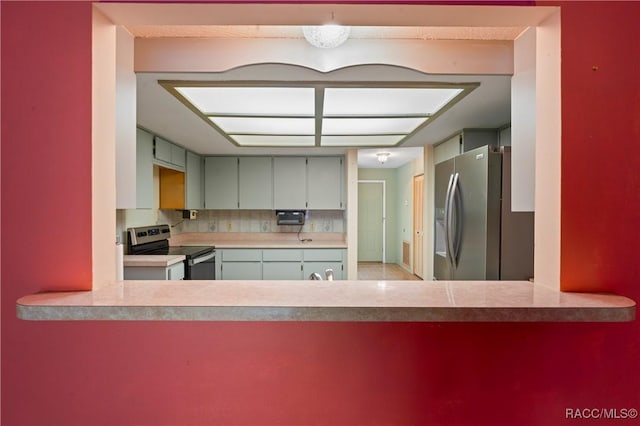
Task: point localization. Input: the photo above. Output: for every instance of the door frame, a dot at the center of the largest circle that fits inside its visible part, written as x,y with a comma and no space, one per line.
384,213
421,219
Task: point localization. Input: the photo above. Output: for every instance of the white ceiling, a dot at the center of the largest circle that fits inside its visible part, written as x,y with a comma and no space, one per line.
398,157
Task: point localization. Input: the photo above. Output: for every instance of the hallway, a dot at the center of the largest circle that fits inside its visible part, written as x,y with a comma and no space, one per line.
383,271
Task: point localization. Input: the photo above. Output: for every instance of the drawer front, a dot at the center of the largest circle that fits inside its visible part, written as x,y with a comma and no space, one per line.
281,255
242,255
323,255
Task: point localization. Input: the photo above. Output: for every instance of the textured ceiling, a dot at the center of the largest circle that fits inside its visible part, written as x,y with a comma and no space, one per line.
262,31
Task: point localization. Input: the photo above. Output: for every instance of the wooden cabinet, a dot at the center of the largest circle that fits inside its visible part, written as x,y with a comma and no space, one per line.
194,194
171,189
144,170
255,183
221,183
324,183
289,183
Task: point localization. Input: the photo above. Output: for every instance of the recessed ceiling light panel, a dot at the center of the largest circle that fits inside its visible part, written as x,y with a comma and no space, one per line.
306,114
266,125
360,140
274,140
251,100
369,126
386,101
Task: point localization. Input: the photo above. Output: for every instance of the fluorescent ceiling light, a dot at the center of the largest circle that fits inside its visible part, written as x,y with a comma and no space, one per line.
274,140
251,100
386,101
316,113
369,126
266,125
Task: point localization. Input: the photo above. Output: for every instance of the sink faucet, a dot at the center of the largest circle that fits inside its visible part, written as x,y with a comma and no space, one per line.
315,276
329,274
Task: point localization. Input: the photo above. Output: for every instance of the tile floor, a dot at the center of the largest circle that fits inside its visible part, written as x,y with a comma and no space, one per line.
383,271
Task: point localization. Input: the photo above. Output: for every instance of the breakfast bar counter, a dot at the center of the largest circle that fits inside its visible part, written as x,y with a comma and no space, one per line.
407,301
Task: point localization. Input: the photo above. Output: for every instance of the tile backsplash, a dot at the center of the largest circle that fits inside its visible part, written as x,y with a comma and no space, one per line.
231,221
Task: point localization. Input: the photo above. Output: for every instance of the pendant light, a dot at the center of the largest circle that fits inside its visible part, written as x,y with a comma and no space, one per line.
326,36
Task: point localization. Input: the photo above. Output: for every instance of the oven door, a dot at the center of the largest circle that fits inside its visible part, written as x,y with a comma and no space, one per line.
202,268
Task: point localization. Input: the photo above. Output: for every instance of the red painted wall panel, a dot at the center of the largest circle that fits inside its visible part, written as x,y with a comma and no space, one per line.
46,145
600,154
149,373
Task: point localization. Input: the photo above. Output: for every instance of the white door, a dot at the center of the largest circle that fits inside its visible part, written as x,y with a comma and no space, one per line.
370,222
418,224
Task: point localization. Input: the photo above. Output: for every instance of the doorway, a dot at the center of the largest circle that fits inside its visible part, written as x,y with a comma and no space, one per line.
372,233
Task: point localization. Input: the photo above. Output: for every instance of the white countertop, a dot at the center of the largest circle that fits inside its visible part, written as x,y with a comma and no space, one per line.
435,301
271,244
224,240
152,260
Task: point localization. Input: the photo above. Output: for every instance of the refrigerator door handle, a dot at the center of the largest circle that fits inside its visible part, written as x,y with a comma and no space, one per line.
448,218
456,209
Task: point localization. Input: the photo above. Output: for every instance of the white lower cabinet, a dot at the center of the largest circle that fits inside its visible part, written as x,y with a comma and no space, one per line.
241,264
319,260
279,264
282,271
171,272
321,268
241,271
282,264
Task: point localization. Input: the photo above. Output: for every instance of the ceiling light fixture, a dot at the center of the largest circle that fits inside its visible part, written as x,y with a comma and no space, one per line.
382,157
326,36
305,114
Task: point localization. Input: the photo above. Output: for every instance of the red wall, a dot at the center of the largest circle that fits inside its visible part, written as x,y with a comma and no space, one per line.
165,373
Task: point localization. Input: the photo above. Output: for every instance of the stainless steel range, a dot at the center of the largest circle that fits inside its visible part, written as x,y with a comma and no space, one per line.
154,240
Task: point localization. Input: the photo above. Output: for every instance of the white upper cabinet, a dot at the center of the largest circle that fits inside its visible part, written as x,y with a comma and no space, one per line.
255,183
289,183
194,191
268,183
221,183
324,183
168,154
144,170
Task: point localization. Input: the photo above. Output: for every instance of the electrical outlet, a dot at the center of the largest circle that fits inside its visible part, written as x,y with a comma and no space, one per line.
229,226
312,226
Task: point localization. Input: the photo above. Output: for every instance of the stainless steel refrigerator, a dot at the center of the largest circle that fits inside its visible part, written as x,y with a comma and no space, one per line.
477,236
